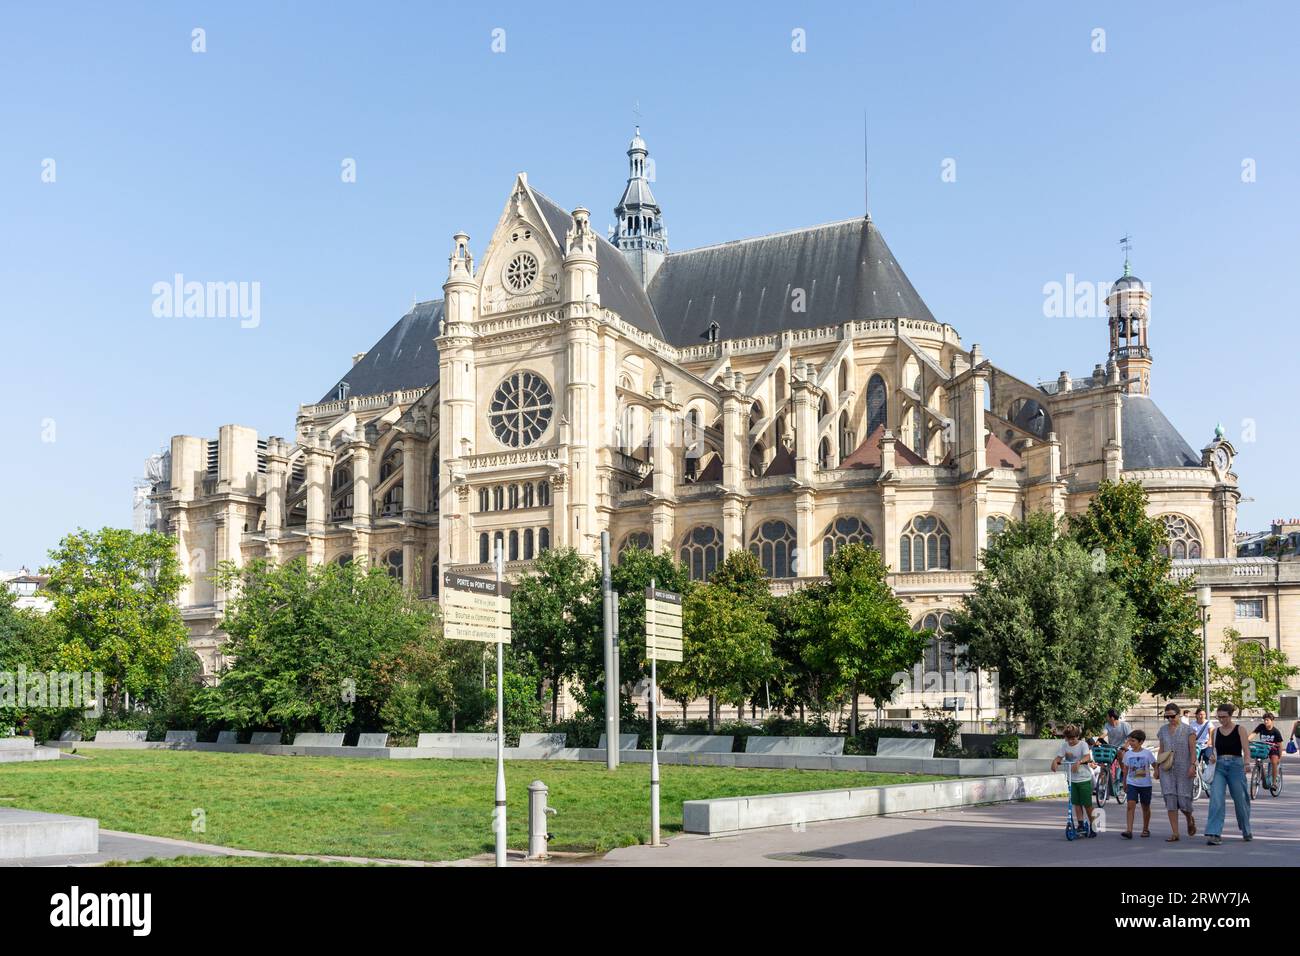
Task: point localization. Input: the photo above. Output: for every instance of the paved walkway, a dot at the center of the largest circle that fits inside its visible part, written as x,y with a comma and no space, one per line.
1030,833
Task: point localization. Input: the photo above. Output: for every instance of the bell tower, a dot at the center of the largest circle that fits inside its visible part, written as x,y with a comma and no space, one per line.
1129,304
640,234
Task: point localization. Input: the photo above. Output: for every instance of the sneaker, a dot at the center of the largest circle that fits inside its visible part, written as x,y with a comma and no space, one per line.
1214,840
1248,837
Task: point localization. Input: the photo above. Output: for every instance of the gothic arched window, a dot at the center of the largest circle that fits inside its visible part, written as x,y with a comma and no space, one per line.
877,403
342,476
924,545
514,546
392,462
543,539
543,493
637,539
528,495
994,525
483,499
528,544
846,436
846,529
824,455
514,497
1184,537
484,550
773,543
701,552
498,498
941,655
393,563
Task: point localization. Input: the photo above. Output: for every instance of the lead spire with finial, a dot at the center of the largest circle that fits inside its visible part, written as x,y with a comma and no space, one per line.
1127,245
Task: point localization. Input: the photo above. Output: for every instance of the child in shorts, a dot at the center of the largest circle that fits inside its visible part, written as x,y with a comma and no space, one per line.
1078,755
1137,781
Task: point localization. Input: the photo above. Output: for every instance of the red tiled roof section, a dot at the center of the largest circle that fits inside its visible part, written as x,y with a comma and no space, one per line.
867,455
999,455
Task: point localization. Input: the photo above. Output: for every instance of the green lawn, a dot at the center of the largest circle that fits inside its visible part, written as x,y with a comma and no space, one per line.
398,809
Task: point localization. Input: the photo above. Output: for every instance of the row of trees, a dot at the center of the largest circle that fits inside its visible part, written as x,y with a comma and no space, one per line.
1074,617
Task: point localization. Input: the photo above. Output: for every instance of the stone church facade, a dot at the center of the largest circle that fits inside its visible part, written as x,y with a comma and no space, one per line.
787,394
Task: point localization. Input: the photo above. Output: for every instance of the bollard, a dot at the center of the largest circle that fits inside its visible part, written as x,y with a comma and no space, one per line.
537,813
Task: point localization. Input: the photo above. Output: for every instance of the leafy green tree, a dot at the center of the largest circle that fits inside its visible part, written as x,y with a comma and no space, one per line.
310,643
1058,632
114,595
630,577
26,641
856,631
1166,637
1249,674
555,617
726,637
433,684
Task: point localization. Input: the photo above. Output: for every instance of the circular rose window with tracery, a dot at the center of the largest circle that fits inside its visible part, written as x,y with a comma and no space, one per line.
521,409
521,272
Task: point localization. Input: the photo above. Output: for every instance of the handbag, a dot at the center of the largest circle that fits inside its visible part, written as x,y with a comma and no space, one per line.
1291,747
1207,774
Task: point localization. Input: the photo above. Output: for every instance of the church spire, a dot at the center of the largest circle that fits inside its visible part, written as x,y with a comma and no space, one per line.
640,234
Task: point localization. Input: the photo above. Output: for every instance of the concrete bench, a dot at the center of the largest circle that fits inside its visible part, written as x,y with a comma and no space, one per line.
457,741
1039,749
372,740
696,744
625,742
181,737
318,740
17,743
265,738
542,743
121,736
228,737
796,746
905,747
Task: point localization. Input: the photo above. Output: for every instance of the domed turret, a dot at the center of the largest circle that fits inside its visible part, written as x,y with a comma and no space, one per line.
1129,304
640,233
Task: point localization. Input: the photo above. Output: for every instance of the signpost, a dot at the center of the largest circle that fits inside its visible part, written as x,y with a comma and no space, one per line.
478,609
663,642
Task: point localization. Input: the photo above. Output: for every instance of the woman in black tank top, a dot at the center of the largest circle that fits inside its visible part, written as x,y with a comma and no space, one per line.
1227,756
1227,743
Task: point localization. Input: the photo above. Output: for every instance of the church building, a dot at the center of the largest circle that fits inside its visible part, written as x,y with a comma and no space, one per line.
788,393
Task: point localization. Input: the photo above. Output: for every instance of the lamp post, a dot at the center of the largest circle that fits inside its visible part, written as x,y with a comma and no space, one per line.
1203,611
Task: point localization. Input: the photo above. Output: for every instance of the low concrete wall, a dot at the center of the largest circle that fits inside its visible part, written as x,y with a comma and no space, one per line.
25,834
733,814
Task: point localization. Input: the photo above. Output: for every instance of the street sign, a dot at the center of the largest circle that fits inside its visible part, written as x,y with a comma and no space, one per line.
663,625
475,609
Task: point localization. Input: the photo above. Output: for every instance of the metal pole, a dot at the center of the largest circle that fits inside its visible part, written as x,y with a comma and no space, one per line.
501,731
654,729
611,686
1205,661
618,672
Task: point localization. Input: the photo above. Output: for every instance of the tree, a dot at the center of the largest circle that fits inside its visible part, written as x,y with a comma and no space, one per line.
635,570
1166,637
1253,675
856,631
27,641
726,638
1057,631
311,643
114,595
555,616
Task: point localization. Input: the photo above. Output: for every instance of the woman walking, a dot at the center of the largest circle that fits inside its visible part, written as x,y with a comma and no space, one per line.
1178,739
1228,744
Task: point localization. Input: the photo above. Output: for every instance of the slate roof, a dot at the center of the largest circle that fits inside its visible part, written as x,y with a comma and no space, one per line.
845,268
620,290
404,358
1150,439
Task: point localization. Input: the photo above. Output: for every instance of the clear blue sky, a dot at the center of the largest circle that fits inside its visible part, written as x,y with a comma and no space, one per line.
225,166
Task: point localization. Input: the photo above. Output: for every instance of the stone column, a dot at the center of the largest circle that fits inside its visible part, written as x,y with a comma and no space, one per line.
361,448
277,483
808,556
316,458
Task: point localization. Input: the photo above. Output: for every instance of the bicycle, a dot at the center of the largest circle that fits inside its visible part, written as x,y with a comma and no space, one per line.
1109,782
1199,785
1262,774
